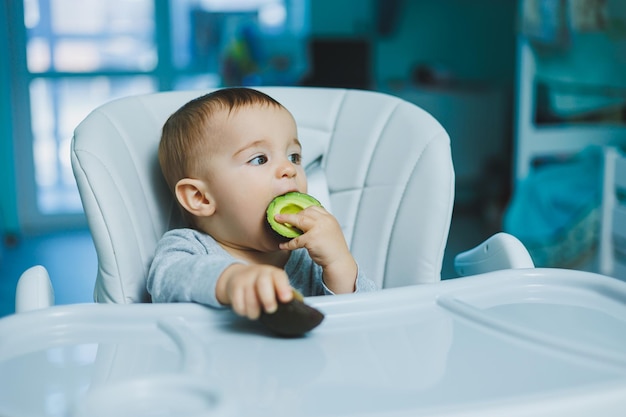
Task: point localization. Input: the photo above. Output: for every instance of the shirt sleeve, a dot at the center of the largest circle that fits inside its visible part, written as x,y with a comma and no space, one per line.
186,267
363,283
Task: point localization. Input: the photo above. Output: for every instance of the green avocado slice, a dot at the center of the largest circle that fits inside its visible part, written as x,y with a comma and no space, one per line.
292,202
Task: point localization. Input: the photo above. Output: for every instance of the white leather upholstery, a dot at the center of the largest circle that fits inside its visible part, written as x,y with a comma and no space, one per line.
387,164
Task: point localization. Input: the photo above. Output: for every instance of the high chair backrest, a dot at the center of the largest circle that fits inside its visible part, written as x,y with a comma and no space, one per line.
381,165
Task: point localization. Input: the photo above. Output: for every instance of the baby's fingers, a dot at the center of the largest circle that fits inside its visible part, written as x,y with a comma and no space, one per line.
273,288
252,308
284,292
238,301
292,244
266,293
296,220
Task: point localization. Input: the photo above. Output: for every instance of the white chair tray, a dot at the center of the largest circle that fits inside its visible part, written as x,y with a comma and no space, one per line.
537,342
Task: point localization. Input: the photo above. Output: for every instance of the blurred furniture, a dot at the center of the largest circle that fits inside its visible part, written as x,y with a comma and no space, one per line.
339,62
612,249
535,140
561,113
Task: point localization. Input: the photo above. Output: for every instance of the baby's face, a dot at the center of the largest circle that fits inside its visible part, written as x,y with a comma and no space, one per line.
257,157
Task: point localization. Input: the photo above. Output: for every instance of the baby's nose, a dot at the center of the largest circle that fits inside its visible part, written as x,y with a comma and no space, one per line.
286,169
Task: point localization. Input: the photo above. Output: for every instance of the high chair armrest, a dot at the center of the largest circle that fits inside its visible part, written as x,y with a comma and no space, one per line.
500,251
34,290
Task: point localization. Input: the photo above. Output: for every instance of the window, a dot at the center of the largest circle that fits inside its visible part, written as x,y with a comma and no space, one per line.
79,54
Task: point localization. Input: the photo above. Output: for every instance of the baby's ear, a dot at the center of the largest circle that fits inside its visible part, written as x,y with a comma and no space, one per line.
194,196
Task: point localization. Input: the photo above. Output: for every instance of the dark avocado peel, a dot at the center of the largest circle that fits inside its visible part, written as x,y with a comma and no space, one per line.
289,203
292,319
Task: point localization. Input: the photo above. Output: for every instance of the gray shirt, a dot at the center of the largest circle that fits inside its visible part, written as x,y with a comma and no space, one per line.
188,263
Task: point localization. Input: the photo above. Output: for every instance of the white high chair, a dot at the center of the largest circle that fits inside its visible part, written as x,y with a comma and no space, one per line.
515,341
381,165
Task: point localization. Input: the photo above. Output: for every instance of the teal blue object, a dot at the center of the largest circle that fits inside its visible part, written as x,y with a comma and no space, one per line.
554,211
9,223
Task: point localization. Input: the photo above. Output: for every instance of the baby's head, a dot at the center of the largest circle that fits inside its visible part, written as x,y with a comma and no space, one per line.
191,132
225,156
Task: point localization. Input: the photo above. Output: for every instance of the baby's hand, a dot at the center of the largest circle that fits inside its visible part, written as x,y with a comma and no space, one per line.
326,245
250,289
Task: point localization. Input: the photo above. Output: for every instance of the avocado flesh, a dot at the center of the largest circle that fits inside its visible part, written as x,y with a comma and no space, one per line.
292,319
289,203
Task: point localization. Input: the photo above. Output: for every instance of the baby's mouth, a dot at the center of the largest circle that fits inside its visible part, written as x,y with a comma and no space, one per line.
266,220
290,203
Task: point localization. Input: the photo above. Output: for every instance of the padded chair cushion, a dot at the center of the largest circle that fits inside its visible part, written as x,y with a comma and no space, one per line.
386,163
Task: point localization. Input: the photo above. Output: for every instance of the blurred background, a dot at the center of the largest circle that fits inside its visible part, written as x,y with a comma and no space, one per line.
523,88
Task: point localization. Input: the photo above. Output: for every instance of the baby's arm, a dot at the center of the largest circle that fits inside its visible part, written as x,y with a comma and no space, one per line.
191,266
250,289
326,245
186,267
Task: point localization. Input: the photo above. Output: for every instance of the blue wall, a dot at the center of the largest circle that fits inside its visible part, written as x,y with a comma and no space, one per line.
8,204
474,40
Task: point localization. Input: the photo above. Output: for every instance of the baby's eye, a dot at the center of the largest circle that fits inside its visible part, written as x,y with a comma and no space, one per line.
295,158
258,160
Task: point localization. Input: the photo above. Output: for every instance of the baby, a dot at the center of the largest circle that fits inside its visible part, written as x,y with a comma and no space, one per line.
226,156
